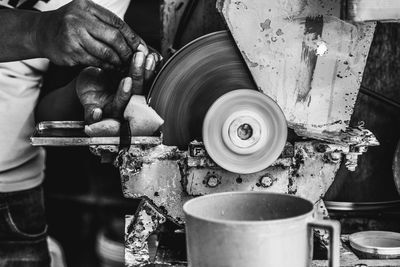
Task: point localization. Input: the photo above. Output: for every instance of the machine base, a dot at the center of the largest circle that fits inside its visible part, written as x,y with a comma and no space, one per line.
169,249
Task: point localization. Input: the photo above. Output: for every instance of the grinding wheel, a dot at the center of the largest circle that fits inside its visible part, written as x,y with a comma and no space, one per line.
193,80
244,131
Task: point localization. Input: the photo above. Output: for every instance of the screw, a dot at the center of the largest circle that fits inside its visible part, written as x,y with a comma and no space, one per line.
335,156
351,161
266,181
212,181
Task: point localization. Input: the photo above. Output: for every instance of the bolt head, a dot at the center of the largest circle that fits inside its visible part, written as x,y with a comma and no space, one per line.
212,181
335,156
266,181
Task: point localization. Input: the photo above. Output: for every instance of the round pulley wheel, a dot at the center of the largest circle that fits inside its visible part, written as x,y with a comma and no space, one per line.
244,131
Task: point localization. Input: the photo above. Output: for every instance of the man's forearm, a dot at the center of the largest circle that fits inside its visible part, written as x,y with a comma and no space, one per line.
18,34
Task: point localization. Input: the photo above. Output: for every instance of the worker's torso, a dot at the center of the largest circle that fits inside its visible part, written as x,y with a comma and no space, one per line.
21,165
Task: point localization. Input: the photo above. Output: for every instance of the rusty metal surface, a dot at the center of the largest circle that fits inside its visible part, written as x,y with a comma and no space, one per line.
313,172
205,178
202,181
354,141
169,177
304,57
154,173
308,174
138,228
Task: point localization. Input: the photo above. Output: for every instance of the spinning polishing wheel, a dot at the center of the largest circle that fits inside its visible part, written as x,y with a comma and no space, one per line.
205,92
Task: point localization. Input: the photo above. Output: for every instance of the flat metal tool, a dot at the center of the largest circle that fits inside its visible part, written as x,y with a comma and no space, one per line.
71,133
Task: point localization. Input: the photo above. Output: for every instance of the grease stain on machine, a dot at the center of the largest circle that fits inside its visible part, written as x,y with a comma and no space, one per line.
266,25
279,32
251,63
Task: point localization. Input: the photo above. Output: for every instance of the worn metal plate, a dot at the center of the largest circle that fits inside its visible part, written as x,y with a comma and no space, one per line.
301,55
168,177
155,174
308,174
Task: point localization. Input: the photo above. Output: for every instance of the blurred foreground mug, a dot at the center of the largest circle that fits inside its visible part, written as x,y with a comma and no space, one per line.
254,229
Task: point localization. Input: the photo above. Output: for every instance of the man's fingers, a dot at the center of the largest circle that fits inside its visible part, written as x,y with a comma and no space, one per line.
134,41
122,96
150,67
112,39
90,85
97,114
94,52
156,54
93,114
137,72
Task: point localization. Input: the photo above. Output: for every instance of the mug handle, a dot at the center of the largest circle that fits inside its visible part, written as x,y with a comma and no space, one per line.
333,227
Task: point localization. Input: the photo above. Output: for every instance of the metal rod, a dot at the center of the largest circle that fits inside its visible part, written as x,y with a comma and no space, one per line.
378,96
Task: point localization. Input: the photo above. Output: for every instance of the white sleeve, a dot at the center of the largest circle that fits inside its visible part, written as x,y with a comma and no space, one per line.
118,7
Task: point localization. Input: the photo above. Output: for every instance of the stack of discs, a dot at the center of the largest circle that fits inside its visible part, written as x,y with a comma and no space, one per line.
110,252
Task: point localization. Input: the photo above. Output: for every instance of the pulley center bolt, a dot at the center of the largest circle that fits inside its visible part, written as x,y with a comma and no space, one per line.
245,131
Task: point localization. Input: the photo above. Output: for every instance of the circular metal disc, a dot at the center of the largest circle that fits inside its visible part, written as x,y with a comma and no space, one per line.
377,243
244,131
396,168
192,80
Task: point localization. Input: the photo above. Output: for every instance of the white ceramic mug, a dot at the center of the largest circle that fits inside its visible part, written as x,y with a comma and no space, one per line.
254,229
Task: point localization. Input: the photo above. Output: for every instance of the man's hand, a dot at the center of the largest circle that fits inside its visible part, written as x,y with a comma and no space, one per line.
96,93
84,33
97,98
142,69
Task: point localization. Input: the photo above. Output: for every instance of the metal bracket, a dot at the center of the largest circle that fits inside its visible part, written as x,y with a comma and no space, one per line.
145,222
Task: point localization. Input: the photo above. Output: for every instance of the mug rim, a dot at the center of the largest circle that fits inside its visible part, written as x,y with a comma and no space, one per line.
246,222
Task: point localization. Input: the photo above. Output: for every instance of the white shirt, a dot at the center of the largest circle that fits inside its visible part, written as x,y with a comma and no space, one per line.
21,165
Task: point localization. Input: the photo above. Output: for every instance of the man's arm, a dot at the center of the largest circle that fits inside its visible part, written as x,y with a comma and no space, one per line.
79,33
17,28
